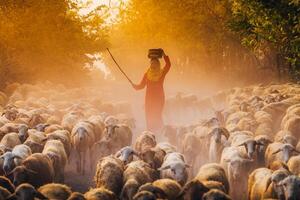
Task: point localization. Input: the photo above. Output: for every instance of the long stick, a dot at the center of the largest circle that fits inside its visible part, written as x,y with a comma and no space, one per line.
119,66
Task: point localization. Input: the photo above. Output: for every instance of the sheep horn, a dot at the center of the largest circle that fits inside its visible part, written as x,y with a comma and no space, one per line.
30,171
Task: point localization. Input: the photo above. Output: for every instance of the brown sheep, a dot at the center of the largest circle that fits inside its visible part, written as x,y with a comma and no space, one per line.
83,138
26,191
136,174
121,134
215,195
294,164
4,194
64,137
109,174
98,124
7,184
153,156
55,150
76,196
55,191
36,169
9,141
100,194
145,141
208,177
162,189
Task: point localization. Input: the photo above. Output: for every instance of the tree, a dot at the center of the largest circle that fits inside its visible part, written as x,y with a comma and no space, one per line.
47,40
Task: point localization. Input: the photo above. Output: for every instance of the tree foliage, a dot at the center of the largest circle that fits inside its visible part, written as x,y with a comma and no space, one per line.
270,25
46,40
234,39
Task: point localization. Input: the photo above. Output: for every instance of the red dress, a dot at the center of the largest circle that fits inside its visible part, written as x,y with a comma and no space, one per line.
155,98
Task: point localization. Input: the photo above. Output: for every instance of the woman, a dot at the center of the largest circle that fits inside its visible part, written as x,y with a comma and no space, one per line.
155,96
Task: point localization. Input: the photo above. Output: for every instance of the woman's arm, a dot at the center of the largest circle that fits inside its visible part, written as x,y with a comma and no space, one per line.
168,64
141,85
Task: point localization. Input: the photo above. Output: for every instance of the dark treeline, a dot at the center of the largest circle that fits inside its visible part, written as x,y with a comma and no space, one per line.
251,40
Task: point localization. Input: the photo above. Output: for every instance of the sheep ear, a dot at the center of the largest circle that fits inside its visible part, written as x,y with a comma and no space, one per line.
241,144
118,154
164,168
277,151
40,196
7,149
187,166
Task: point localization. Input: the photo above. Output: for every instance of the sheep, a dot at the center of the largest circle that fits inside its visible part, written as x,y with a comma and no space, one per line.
35,141
215,195
64,137
36,169
126,154
145,141
4,194
264,183
55,150
15,158
26,191
136,174
144,195
103,148
166,147
55,191
263,141
76,196
154,157
291,187
23,132
217,144
83,138
49,128
237,166
213,172
170,188
292,125
111,121
247,141
70,119
257,182
294,164
279,151
100,194
174,167
191,149
210,176
109,174
7,184
99,126
9,141
120,134
170,132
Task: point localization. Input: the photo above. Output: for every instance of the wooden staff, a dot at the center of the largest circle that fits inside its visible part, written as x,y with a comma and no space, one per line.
119,67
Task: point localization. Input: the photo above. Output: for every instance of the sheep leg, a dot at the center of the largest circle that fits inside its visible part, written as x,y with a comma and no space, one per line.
78,162
91,158
83,163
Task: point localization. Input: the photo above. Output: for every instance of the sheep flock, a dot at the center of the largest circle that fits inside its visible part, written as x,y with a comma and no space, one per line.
53,138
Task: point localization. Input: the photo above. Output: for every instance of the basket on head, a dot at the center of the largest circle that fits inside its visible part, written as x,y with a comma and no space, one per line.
155,53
